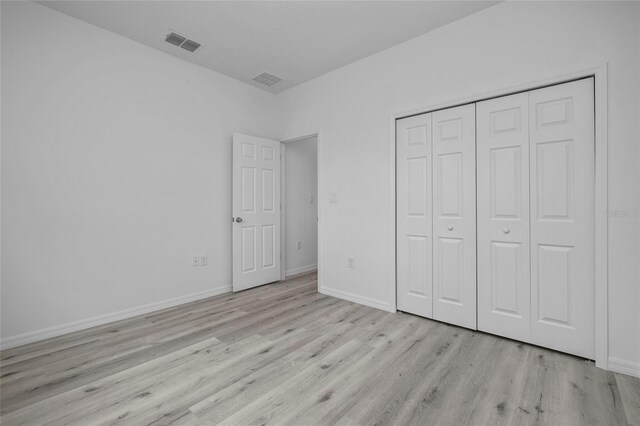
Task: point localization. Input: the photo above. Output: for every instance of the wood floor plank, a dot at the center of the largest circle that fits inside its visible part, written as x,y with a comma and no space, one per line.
92,397
369,396
284,354
277,401
283,404
205,379
437,390
232,399
486,379
629,388
35,388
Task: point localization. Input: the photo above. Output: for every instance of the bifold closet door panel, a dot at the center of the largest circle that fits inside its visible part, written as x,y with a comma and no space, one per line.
503,216
454,216
562,217
414,217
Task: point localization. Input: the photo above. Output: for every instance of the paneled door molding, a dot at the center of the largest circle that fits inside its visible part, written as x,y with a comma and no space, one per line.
454,215
562,192
256,211
415,218
503,216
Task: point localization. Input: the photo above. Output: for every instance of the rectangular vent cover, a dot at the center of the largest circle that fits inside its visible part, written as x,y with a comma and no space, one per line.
190,45
267,79
185,43
175,39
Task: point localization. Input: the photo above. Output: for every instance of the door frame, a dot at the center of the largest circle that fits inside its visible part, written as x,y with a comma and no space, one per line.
599,73
283,200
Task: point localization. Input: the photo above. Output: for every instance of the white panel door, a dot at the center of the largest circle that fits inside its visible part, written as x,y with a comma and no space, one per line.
503,216
414,219
454,216
256,211
562,217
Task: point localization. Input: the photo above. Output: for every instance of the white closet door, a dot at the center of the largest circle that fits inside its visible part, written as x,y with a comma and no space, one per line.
562,217
414,219
503,216
454,222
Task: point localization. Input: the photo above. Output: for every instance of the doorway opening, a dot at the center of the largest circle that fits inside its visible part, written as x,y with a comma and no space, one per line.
299,212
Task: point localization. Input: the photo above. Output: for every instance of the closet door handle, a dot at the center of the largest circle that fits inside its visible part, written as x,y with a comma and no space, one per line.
450,228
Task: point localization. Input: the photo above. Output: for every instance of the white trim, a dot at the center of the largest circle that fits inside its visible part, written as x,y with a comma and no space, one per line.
301,270
300,138
625,367
601,220
283,211
379,304
70,327
537,84
394,225
601,189
320,202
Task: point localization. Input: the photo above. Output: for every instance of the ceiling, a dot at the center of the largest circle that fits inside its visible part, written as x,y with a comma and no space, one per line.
294,40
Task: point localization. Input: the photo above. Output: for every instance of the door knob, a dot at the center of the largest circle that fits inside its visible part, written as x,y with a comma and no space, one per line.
238,219
506,230
450,228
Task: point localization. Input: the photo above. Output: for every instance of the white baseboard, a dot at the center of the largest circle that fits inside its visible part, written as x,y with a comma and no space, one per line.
625,367
385,306
301,270
58,330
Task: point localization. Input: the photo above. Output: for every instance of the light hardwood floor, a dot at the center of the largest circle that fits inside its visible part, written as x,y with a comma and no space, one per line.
285,354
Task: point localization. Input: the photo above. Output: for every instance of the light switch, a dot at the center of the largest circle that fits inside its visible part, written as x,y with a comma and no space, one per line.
333,197
351,262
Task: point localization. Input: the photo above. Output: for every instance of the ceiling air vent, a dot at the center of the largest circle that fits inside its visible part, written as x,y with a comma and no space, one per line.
185,43
175,39
267,79
190,45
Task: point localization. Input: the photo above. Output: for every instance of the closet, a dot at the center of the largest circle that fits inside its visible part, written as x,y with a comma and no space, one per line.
495,216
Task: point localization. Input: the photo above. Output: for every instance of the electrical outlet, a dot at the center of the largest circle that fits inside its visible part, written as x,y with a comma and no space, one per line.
204,260
299,245
196,261
351,263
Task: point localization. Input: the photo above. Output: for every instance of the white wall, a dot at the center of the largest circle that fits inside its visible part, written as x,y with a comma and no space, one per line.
116,157
510,44
116,170
301,207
